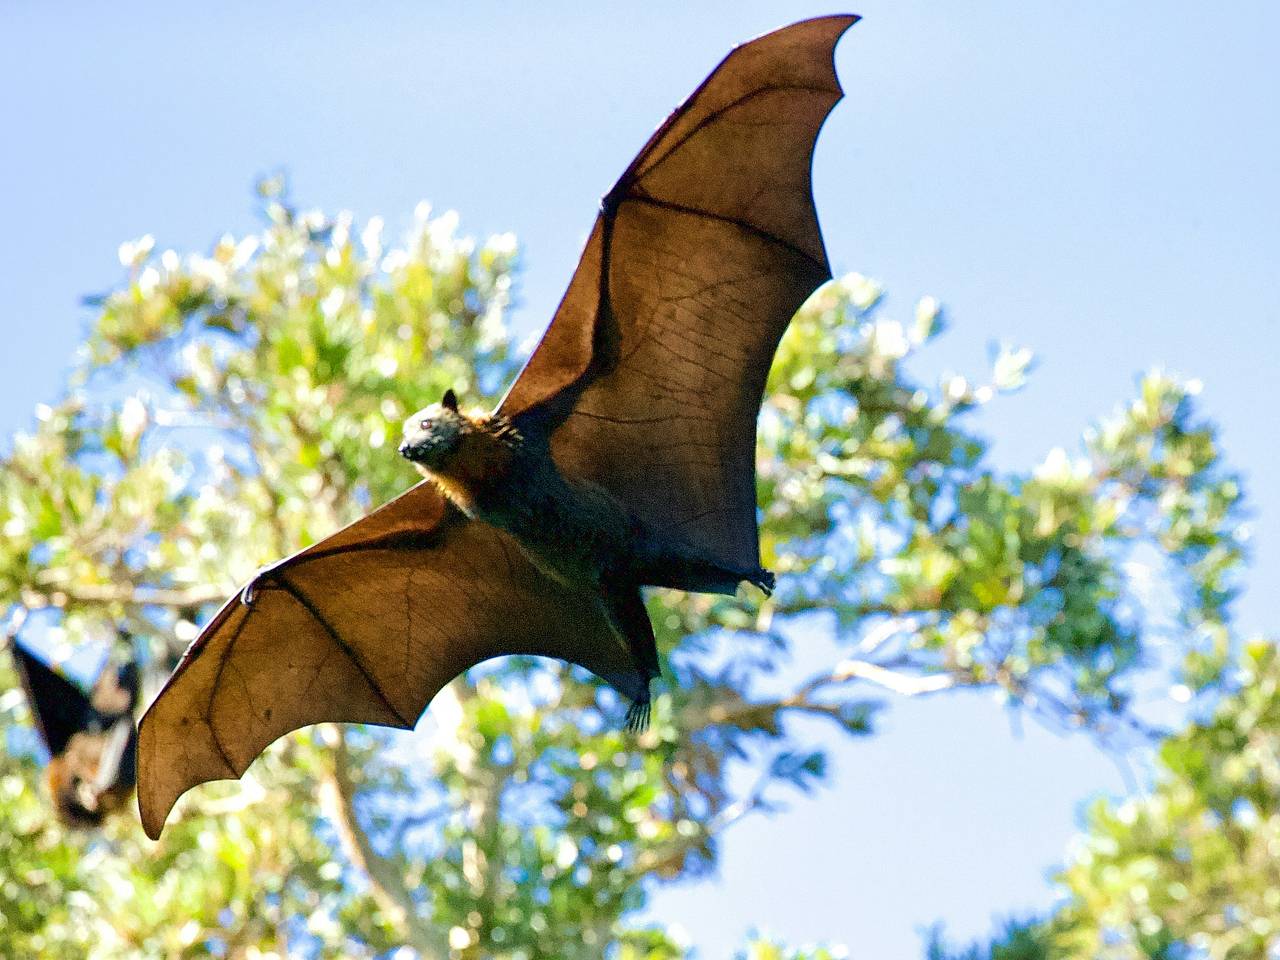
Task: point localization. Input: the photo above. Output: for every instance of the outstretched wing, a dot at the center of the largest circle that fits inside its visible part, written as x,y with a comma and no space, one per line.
651,374
59,707
365,626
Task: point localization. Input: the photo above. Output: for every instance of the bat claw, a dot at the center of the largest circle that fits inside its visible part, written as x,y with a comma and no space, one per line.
766,581
638,716
249,594
610,202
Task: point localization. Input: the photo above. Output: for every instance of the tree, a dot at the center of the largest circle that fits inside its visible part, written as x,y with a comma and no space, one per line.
1019,940
1189,869
231,408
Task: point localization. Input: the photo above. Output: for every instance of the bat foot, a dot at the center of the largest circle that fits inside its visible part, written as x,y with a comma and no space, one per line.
638,716
765,580
685,570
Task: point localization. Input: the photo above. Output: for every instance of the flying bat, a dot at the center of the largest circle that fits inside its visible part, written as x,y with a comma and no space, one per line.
91,738
622,456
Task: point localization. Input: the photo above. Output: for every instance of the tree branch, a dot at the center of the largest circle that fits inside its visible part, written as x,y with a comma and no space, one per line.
902,683
64,593
386,883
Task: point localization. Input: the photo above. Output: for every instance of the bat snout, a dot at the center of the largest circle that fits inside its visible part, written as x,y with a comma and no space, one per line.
415,451
429,440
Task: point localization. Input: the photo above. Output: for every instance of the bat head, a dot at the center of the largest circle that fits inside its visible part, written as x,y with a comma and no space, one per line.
433,434
74,799
95,776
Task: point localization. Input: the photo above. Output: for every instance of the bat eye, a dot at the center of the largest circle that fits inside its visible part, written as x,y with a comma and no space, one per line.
424,424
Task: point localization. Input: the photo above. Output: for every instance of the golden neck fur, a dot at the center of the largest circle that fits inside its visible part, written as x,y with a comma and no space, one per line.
483,458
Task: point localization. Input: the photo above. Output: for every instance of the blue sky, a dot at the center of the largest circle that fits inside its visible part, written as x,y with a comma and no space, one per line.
1094,180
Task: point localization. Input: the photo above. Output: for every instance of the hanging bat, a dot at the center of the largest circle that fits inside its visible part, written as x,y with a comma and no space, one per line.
623,456
91,739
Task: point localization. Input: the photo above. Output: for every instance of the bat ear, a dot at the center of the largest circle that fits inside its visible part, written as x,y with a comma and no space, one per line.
450,401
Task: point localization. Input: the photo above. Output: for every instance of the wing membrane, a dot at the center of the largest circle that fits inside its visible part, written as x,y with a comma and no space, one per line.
366,626
703,251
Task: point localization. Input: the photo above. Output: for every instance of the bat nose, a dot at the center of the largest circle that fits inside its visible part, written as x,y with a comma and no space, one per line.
404,449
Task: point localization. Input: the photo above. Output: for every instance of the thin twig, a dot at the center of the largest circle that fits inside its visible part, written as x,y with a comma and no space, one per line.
902,683
123,593
386,882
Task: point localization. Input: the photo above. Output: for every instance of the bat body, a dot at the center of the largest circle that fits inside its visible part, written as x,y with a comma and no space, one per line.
91,738
622,456
574,531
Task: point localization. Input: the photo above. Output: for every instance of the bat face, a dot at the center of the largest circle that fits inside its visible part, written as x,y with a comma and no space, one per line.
91,779
70,779
432,436
73,800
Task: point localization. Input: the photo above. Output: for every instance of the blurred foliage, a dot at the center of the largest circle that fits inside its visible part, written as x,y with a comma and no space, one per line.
1191,868
1018,940
764,949
230,408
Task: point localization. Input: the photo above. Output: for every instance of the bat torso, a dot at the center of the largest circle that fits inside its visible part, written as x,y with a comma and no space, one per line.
574,531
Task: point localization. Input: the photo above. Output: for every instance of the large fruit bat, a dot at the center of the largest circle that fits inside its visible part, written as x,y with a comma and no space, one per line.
623,456
90,737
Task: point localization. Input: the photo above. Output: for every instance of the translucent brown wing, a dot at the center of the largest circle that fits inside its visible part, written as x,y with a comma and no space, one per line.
365,626
59,708
651,374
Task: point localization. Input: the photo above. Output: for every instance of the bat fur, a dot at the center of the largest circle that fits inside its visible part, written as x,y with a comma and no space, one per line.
574,531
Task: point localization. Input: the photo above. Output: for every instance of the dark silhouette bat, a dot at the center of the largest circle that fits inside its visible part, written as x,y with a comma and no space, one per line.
91,738
622,456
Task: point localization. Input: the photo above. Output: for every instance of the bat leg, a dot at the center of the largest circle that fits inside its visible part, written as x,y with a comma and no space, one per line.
630,619
683,568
